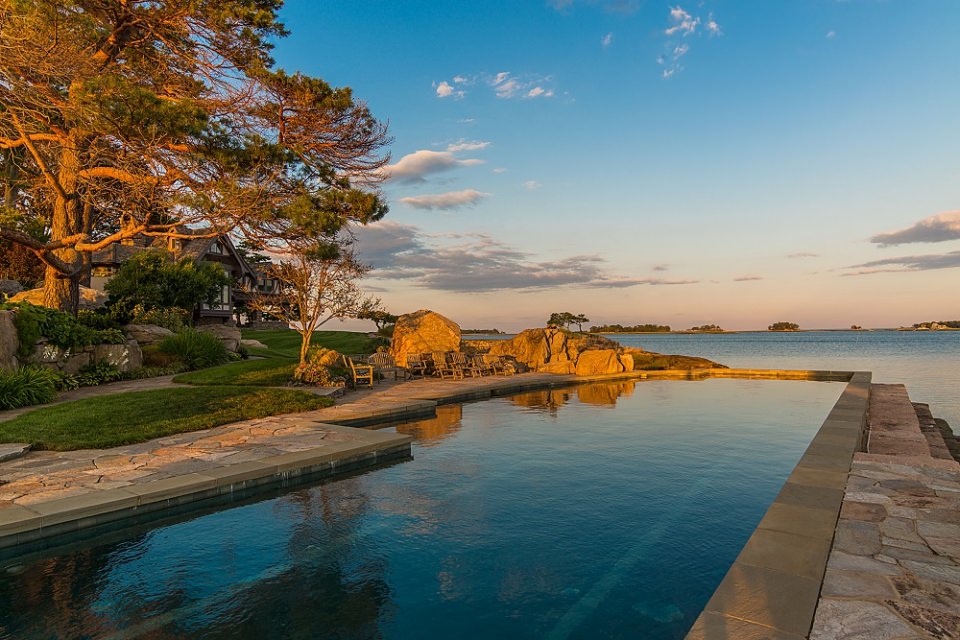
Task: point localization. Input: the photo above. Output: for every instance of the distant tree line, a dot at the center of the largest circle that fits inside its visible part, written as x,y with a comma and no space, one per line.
784,326
481,331
640,328
707,327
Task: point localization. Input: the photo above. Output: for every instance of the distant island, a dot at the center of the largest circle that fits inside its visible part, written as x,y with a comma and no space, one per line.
784,326
481,331
640,328
942,325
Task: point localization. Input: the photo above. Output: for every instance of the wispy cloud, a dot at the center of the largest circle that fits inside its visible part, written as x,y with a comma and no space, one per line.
831,34
500,170
624,7
415,166
505,85
606,40
466,145
477,262
661,267
446,201
446,90
907,263
938,228
747,278
681,24
531,185
803,254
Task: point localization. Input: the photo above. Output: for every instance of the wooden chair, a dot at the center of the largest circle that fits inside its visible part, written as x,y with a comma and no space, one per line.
360,373
384,363
417,365
502,367
481,364
443,368
465,364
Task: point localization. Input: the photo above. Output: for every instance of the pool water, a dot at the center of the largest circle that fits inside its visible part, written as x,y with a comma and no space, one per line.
607,510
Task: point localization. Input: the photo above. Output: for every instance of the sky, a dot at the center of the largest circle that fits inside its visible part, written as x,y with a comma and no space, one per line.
730,162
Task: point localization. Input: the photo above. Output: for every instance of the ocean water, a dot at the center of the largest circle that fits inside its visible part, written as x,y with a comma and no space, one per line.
602,511
927,362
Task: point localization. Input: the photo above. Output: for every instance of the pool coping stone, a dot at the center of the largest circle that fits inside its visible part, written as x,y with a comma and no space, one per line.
773,587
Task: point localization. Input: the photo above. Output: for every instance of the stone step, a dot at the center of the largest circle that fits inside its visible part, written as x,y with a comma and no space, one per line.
894,428
13,450
930,431
949,438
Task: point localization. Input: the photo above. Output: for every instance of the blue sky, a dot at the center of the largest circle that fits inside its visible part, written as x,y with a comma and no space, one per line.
683,163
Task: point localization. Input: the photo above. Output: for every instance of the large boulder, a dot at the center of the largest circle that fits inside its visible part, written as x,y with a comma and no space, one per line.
9,288
147,334
228,335
89,298
531,346
598,361
125,357
423,331
9,342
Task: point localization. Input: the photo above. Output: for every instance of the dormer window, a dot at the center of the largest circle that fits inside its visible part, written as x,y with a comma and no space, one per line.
216,248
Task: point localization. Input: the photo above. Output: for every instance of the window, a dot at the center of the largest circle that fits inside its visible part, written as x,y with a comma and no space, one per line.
216,248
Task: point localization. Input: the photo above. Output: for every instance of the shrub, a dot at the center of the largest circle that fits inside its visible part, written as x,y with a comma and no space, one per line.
27,386
196,349
60,329
317,368
97,373
174,318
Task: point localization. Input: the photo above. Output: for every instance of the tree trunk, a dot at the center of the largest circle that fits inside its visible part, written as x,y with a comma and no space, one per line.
62,290
305,338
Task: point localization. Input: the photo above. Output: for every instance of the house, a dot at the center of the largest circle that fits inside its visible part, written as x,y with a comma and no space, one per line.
203,247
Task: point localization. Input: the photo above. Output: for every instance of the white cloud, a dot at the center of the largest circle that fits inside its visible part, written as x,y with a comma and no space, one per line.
938,228
446,201
712,27
414,166
505,86
500,170
447,90
606,40
683,23
464,145
460,80
531,185
831,34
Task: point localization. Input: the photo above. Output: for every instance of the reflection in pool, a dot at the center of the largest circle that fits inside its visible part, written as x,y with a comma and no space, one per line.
606,510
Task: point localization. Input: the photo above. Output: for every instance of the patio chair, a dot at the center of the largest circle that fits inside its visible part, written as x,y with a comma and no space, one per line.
384,363
443,368
502,366
359,373
481,364
417,365
465,364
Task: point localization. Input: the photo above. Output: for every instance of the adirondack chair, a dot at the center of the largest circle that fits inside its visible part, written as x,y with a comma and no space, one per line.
465,364
359,372
484,367
443,368
502,367
384,363
417,365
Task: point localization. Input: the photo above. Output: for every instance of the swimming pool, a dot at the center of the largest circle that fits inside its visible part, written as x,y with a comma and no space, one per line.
607,510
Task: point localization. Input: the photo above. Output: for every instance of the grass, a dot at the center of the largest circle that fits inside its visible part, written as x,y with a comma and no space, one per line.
287,341
274,366
128,418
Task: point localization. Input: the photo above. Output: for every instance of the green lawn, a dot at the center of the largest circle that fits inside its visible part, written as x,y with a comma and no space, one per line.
128,418
287,341
274,366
